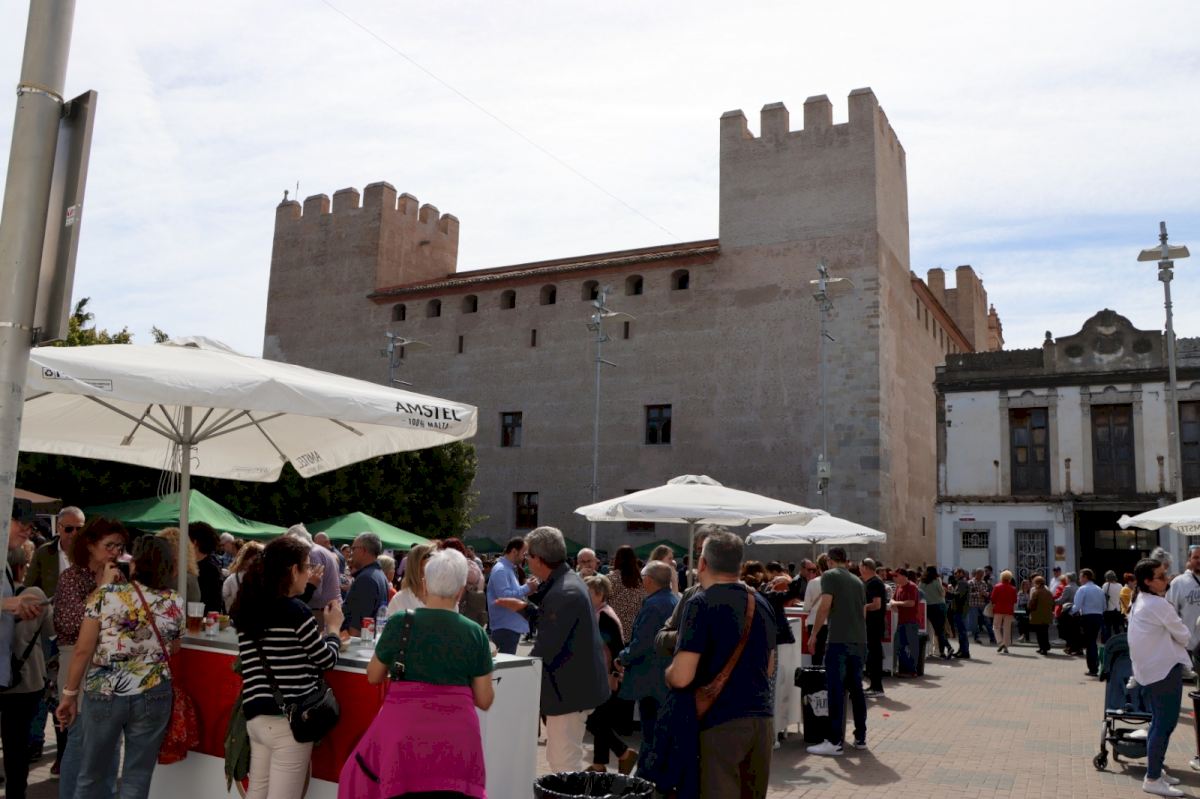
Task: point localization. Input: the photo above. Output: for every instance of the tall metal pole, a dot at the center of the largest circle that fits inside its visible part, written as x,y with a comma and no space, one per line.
1165,274
23,218
185,497
598,325
823,306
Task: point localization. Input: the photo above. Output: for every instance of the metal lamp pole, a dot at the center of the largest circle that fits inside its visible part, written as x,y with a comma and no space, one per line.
596,325
1165,255
824,287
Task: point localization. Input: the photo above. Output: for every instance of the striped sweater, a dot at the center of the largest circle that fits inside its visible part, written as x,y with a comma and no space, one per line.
298,655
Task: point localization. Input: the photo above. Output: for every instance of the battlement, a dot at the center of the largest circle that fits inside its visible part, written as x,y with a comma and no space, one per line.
866,117
786,185
400,240
381,197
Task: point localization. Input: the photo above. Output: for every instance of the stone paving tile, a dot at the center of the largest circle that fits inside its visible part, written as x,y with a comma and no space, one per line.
995,727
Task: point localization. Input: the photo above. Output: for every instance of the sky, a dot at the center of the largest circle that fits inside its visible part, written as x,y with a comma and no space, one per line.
1044,142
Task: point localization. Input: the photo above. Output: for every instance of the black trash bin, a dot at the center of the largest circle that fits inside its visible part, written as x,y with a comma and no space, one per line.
814,701
568,785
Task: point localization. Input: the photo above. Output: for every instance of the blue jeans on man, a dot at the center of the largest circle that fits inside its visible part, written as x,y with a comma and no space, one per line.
1164,698
506,641
141,720
1089,629
907,640
844,672
960,629
978,622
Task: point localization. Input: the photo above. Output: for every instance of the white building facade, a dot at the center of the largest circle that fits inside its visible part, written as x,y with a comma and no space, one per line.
1040,451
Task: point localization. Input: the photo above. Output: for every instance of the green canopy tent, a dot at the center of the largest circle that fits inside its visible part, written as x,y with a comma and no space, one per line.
343,529
154,513
643,552
484,546
573,547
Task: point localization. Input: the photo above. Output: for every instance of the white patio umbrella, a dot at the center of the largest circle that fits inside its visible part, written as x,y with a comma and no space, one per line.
1182,517
238,417
696,499
824,530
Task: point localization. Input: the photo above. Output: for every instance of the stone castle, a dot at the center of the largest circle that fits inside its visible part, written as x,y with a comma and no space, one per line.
722,347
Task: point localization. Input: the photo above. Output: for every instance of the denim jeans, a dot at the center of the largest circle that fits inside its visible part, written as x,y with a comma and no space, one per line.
981,622
141,720
844,672
960,629
506,641
1165,698
1089,628
72,756
907,641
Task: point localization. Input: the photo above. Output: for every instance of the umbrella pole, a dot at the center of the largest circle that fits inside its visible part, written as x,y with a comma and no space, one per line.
185,495
691,553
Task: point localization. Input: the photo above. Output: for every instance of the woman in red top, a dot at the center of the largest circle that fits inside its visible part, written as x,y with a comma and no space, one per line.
1004,606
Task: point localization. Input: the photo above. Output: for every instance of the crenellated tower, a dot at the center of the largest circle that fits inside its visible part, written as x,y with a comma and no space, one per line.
327,257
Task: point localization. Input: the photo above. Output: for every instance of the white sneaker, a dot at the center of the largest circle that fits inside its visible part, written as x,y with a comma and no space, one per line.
1159,787
826,748
1167,778
1194,763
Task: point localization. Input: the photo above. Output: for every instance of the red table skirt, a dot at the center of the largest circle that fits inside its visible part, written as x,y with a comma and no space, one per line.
208,678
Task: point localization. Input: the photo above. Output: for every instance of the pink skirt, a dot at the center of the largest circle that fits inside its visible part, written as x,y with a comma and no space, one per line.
425,738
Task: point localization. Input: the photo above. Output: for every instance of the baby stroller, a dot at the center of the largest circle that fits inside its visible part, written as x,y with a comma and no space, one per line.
1126,714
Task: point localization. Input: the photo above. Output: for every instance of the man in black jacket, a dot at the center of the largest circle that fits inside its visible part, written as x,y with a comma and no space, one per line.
574,681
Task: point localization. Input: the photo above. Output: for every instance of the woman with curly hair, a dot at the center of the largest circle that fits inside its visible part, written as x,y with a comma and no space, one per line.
627,594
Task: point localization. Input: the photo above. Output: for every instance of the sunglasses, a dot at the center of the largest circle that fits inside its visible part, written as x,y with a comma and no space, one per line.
71,528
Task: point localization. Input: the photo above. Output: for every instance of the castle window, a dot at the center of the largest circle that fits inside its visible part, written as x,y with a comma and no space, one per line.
510,429
470,304
525,510
591,290
399,312
433,309
680,280
658,424
508,299
633,285
549,295
533,337
460,345
625,333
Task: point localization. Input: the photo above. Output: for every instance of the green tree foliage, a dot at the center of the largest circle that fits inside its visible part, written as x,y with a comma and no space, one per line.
427,492
79,334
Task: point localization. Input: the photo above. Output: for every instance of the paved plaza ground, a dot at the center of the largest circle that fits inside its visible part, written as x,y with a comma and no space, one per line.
997,726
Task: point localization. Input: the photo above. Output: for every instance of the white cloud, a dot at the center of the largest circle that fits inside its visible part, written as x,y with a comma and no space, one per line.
1043,146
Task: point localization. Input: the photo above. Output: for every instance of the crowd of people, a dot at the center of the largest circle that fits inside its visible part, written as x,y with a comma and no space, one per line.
694,651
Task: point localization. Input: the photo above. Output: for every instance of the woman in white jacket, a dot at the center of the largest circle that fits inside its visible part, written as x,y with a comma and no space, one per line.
1158,647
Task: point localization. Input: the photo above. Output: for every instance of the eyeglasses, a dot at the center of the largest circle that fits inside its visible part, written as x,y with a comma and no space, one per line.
71,528
114,546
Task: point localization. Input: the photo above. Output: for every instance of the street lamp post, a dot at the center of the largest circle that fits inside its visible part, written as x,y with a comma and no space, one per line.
1166,255
596,325
824,289
394,352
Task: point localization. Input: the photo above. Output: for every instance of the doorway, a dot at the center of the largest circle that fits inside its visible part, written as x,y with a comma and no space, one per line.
1103,545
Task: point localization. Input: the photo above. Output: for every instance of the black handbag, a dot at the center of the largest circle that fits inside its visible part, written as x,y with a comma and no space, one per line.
313,715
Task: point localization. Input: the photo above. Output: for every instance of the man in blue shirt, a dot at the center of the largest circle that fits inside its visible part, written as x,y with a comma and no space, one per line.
1089,606
369,591
508,626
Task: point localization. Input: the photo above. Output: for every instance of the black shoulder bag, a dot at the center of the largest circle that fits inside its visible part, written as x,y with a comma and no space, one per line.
313,715
18,663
